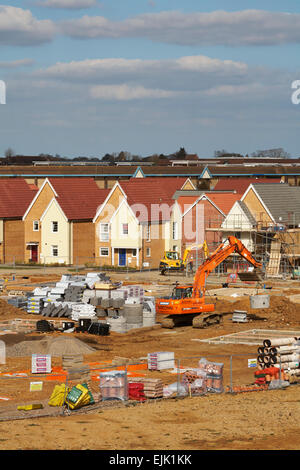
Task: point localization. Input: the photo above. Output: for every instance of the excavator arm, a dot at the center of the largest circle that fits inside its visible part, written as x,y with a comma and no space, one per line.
219,255
188,250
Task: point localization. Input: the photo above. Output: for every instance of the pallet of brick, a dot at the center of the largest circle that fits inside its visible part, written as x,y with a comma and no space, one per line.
73,364
79,373
153,388
136,391
71,360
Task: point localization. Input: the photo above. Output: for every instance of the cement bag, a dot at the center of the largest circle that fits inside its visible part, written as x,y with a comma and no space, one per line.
58,395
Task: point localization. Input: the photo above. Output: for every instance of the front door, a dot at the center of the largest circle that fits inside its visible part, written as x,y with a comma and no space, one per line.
122,257
34,253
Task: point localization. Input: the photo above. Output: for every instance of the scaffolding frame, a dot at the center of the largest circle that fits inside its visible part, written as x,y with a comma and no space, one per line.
276,246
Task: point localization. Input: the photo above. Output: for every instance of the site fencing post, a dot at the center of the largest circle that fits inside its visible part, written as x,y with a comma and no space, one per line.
178,377
65,396
126,385
231,384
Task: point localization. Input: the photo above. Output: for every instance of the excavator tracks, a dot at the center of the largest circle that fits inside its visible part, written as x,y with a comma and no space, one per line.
196,320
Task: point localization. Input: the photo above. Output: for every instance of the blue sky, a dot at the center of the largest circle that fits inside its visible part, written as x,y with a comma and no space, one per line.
88,77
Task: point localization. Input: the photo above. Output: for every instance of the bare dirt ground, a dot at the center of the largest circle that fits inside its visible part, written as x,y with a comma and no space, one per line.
262,420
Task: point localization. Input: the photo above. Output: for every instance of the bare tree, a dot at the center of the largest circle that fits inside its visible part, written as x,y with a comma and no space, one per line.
271,153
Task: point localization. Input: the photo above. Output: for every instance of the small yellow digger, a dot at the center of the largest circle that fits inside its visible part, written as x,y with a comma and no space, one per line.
172,262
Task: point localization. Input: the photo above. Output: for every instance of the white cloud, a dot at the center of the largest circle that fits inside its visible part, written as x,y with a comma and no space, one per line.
118,68
20,27
247,27
68,4
202,63
16,63
127,93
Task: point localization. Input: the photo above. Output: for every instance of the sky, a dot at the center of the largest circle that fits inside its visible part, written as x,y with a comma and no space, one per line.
91,77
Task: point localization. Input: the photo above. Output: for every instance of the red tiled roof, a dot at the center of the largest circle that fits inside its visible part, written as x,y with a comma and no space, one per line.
15,197
79,198
186,201
241,184
224,201
145,195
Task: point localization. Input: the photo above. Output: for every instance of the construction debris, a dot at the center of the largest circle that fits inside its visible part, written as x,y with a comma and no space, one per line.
92,296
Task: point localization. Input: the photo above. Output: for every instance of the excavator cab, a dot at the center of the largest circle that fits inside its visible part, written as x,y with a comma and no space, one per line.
182,292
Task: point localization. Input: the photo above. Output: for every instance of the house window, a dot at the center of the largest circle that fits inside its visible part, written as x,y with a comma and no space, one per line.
134,253
35,225
148,233
54,226
54,250
175,231
175,247
148,252
125,229
104,251
104,232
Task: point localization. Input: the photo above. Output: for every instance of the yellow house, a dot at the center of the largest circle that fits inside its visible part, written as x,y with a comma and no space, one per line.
56,236
59,221
138,221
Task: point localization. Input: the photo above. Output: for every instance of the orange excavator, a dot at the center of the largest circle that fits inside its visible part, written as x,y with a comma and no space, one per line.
187,304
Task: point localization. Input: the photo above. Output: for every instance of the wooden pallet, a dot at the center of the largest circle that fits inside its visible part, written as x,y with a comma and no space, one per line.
275,257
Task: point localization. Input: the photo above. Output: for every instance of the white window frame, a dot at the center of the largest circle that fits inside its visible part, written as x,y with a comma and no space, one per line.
125,232
104,236
175,231
53,226
33,226
148,233
148,252
134,249
104,248
53,248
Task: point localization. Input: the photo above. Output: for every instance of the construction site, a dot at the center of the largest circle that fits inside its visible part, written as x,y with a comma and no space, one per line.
90,355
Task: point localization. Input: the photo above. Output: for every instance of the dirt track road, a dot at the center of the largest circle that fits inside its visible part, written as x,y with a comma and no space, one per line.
263,420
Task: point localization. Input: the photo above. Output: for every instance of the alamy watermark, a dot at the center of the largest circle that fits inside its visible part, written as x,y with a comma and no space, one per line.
2,92
296,94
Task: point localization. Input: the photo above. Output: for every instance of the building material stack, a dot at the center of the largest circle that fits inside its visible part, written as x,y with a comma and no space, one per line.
18,302
153,388
95,296
161,360
74,365
278,358
136,391
113,385
40,364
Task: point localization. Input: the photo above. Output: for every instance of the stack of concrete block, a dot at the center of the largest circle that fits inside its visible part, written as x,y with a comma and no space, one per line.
34,305
149,312
117,324
88,295
74,293
18,302
82,311
57,309
133,314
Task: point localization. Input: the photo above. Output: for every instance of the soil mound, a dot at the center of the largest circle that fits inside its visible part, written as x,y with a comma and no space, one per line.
281,309
52,346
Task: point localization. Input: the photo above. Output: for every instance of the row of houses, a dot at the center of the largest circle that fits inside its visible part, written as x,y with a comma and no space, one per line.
74,221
